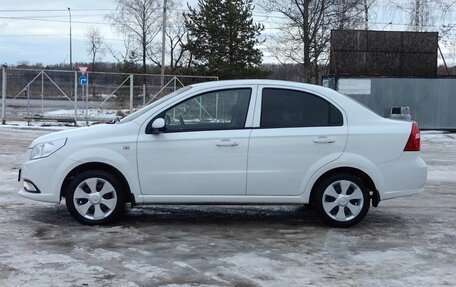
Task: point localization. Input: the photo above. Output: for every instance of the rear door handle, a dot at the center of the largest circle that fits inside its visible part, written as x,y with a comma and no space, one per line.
324,139
226,142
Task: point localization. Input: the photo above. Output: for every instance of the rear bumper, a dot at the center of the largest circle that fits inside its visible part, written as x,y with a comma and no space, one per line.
400,193
404,176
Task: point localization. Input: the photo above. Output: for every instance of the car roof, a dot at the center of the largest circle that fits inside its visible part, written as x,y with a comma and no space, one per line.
347,103
225,83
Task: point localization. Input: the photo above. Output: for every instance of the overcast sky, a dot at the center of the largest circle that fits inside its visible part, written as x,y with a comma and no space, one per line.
43,40
48,42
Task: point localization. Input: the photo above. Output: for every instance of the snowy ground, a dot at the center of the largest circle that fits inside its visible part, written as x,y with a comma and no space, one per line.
404,242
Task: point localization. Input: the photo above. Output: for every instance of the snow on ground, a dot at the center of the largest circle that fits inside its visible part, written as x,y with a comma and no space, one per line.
442,169
44,126
93,114
409,241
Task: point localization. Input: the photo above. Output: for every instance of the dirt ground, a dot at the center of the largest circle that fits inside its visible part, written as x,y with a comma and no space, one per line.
404,242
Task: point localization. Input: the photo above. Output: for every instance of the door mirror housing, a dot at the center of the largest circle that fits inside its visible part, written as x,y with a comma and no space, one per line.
157,125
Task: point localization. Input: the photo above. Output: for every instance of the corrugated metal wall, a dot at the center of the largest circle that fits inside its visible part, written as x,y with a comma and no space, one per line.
432,101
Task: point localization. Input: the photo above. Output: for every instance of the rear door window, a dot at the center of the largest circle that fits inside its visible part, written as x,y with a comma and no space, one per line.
283,108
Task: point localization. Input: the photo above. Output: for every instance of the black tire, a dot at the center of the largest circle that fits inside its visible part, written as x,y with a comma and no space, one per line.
357,189
100,177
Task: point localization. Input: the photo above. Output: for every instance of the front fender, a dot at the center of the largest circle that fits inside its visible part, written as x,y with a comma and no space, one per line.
124,161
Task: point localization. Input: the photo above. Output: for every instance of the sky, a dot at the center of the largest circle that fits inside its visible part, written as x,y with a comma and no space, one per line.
45,39
40,41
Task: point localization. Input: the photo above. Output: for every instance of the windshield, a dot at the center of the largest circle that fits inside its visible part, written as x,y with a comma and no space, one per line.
147,108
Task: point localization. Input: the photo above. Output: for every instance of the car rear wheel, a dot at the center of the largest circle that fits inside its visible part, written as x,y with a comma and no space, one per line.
95,197
341,200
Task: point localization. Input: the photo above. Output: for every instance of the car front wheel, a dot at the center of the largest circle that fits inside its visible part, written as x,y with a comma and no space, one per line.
341,200
95,197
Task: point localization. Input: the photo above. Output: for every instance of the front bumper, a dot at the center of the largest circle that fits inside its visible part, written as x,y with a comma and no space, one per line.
46,176
47,197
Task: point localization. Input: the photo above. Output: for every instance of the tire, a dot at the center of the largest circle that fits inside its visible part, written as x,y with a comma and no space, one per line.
341,200
95,197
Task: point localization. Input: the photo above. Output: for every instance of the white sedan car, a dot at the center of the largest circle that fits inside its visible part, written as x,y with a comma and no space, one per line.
231,142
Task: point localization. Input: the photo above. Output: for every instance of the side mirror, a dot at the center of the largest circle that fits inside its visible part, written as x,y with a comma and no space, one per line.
157,125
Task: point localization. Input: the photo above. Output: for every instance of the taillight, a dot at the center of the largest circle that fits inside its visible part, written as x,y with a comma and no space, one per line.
413,143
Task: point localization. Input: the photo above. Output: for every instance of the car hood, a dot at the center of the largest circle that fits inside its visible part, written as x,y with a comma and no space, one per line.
95,130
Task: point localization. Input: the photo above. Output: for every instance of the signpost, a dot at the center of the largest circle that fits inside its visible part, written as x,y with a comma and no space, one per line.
83,69
83,80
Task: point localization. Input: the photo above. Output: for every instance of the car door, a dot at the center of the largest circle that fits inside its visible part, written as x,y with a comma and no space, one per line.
203,147
295,133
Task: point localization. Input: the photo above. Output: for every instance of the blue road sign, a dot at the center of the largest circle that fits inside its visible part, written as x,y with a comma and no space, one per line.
83,80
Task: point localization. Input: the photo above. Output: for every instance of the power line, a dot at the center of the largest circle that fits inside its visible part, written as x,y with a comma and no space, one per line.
268,28
54,16
52,35
57,21
52,10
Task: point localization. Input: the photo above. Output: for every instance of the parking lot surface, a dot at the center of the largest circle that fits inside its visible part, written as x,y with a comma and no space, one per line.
409,241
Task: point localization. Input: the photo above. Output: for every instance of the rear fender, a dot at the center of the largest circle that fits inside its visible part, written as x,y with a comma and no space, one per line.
350,160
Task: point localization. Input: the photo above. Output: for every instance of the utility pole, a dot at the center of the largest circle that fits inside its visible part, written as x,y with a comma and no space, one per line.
163,45
71,46
75,79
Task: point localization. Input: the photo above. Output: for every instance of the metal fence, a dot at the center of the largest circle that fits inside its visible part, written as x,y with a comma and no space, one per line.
432,101
58,95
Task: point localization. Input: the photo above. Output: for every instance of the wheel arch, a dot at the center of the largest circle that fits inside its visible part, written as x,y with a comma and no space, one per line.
129,197
375,196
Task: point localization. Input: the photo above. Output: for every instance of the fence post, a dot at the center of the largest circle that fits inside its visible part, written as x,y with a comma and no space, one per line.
86,88
28,100
144,95
42,93
131,93
75,98
83,89
3,93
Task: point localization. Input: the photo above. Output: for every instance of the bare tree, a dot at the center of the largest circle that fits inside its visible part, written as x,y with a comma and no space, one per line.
128,58
176,38
344,14
127,53
418,12
95,45
430,15
366,6
420,15
138,20
306,33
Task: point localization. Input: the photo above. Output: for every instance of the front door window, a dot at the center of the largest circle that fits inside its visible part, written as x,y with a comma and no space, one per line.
219,110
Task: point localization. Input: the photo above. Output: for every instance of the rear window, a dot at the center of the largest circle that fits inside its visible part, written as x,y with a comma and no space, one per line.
282,108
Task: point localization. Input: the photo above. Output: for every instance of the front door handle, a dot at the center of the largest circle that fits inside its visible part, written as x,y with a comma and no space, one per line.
226,142
324,139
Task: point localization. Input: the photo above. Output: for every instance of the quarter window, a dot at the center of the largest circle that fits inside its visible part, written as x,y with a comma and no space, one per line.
226,109
281,108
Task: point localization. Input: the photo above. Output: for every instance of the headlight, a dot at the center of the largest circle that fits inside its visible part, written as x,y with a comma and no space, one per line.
46,149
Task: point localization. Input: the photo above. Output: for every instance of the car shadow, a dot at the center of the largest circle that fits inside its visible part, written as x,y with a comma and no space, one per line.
179,215
188,214
213,214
